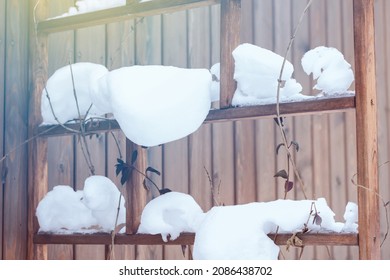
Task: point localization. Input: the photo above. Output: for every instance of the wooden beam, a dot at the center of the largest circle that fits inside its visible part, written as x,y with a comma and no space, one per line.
331,239
132,10
317,106
366,129
37,148
230,39
136,195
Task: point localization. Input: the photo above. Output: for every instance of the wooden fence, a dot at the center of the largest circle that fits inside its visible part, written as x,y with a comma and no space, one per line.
239,155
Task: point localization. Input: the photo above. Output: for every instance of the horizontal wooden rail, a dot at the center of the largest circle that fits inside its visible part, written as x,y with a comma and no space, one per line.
331,239
321,105
129,11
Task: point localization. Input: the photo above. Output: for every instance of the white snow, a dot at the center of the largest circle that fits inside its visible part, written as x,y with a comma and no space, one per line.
351,217
63,210
257,71
170,214
215,85
158,104
240,231
86,6
334,74
59,88
101,196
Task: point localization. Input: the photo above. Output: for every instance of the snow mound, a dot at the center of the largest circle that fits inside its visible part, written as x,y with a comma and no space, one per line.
102,196
158,104
86,6
92,209
351,217
62,209
170,214
59,88
240,231
257,71
334,74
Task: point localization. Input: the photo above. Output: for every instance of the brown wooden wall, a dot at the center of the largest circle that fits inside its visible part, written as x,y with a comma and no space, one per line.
240,155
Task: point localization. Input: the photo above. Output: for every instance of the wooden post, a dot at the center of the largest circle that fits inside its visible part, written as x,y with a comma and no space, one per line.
230,39
136,195
366,130
37,148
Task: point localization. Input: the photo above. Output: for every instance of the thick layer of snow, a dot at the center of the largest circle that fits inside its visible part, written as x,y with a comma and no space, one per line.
101,196
61,209
257,71
59,87
351,217
157,104
94,208
170,214
240,231
333,73
86,6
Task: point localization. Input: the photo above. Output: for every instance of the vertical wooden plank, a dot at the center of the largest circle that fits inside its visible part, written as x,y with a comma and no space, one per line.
366,129
175,154
350,123
338,180
120,52
2,97
37,178
90,47
199,143
230,39
320,123
302,124
265,129
222,133
244,135
16,128
385,169
60,150
148,51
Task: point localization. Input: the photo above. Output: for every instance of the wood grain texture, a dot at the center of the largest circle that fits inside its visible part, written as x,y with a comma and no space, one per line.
120,51
188,239
2,99
175,154
16,131
230,39
317,106
90,46
366,123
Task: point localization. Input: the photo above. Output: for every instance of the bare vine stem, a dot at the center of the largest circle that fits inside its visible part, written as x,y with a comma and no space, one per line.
278,116
82,137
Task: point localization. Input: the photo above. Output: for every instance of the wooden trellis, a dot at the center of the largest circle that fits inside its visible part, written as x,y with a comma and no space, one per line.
364,103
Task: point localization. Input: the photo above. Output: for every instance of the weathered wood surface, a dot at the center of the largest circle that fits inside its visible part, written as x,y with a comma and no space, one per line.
130,11
38,165
60,154
382,41
318,106
317,133
16,129
2,128
366,132
229,40
330,239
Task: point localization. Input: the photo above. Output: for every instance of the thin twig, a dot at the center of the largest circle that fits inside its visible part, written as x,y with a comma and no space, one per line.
117,144
82,136
385,204
278,116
